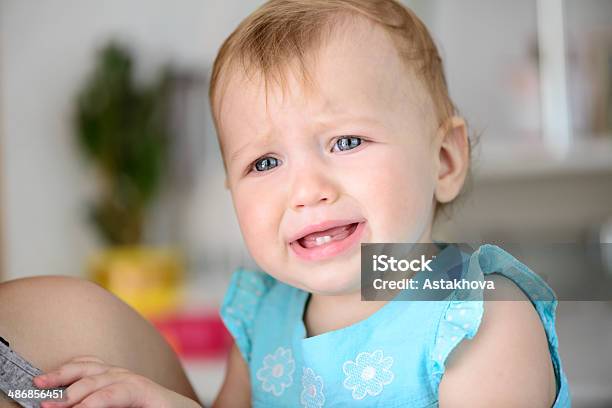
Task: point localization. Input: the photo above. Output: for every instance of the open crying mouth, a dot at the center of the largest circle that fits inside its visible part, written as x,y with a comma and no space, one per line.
323,237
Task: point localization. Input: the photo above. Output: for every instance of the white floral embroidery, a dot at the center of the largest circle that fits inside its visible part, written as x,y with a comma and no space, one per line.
277,371
367,374
312,392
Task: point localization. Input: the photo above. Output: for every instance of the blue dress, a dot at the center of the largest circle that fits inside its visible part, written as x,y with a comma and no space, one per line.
394,358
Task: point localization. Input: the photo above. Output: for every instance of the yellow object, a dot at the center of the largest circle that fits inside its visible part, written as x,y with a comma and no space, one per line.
148,279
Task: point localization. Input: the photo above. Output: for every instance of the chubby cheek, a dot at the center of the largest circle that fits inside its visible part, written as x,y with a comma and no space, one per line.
259,216
397,196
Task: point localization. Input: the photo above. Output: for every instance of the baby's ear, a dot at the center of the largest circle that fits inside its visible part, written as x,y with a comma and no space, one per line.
453,154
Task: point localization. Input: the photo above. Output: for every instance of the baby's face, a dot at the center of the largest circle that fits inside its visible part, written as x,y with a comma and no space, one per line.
320,171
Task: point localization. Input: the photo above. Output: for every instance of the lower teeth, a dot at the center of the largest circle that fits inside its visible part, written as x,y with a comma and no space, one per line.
327,238
323,240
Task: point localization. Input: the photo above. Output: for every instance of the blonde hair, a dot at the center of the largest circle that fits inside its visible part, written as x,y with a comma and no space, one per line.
282,32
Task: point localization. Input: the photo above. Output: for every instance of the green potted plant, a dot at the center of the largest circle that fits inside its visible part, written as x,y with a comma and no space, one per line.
122,127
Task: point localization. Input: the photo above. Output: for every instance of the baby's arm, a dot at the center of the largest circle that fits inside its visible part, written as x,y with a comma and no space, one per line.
507,364
236,389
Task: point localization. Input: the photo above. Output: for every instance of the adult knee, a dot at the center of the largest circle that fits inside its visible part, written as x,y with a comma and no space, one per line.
63,314
51,319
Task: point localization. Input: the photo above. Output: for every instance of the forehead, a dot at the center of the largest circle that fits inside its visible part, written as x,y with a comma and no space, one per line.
356,71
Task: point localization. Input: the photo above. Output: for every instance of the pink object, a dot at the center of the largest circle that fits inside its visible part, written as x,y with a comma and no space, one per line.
196,336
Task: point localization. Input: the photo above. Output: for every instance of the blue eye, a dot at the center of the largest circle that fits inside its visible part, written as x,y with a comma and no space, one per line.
265,164
346,143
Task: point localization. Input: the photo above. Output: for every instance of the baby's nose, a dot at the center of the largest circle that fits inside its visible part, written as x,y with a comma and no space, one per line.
312,189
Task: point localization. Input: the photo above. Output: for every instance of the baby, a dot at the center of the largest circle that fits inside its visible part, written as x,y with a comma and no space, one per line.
336,128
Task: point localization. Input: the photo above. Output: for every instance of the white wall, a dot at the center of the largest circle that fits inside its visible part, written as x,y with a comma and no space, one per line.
484,44
46,49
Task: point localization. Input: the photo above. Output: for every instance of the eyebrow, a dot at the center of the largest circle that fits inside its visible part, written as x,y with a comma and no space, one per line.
261,140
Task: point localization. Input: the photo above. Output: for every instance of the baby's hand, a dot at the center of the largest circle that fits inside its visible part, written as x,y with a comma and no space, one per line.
93,383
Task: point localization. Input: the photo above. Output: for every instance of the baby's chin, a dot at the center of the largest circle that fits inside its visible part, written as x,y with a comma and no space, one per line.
328,280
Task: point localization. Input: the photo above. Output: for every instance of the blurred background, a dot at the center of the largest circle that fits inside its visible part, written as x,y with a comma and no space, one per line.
109,164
